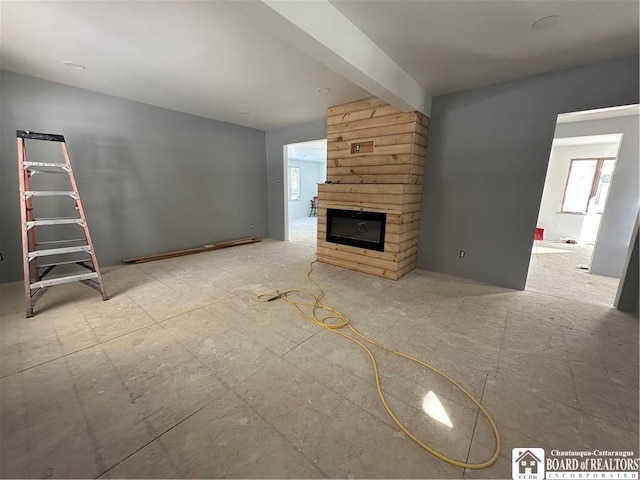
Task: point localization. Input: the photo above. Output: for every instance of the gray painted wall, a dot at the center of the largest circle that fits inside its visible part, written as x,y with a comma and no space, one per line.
486,163
150,179
618,218
275,141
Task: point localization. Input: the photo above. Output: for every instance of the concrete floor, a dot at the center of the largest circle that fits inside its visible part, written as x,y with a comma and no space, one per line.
182,373
559,274
303,230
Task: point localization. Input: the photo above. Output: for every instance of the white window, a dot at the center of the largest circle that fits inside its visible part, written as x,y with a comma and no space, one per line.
603,185
589,179
294,183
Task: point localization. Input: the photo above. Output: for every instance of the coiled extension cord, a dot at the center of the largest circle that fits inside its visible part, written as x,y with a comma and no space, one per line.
335,320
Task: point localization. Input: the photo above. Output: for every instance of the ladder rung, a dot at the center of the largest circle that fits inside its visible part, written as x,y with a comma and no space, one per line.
58,251
61,280
44,193
34,172
70,262
54,221
49,242
63,166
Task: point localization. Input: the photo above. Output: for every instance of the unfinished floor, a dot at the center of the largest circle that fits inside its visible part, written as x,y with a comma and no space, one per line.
182,373
561,269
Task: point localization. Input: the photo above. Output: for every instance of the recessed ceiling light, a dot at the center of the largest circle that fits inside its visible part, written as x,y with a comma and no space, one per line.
245,113
545,22
323,90
74,65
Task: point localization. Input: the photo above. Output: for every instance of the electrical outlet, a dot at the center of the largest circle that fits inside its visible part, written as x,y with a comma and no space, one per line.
362,147
462,253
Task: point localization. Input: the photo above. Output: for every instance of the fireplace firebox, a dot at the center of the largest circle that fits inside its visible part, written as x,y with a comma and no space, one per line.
356,228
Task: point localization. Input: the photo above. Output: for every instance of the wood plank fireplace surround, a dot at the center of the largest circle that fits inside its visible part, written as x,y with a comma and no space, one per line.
375,163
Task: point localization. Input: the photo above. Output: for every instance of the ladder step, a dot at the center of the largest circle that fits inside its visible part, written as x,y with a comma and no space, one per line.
43,193
58,251
49,242
61,280
63,166
70,262
35,172
54,221
52,137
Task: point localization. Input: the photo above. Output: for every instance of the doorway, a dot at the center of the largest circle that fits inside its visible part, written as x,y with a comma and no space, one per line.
591,155
305,166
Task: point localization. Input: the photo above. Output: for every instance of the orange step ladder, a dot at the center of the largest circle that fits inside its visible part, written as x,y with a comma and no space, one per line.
70,253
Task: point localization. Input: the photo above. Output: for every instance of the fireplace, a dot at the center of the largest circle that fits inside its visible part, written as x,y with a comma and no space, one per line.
356,228
375,163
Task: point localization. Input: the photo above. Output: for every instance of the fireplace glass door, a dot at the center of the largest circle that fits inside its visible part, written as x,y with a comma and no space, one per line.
356,228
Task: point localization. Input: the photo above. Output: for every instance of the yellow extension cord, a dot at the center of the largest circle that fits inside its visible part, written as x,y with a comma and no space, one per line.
336,320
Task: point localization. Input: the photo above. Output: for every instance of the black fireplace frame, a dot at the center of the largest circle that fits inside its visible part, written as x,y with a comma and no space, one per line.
357,215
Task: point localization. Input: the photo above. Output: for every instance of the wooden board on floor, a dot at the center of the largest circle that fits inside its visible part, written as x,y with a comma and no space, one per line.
191,251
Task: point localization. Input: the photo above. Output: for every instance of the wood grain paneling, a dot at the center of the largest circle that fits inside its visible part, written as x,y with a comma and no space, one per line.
365,104
356,161
372,122
379,111
408,127
387,178
379,179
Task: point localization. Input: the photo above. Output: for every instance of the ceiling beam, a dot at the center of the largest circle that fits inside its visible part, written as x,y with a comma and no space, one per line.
321,31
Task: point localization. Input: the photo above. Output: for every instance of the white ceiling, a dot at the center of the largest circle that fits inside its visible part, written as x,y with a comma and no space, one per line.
450,45
205,57
600,113
613,138
315,151
210,58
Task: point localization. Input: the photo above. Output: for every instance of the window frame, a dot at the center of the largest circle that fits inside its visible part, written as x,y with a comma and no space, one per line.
594,182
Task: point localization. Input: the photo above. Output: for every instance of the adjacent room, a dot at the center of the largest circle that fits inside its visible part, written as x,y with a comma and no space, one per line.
306,165
592,155
328,239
